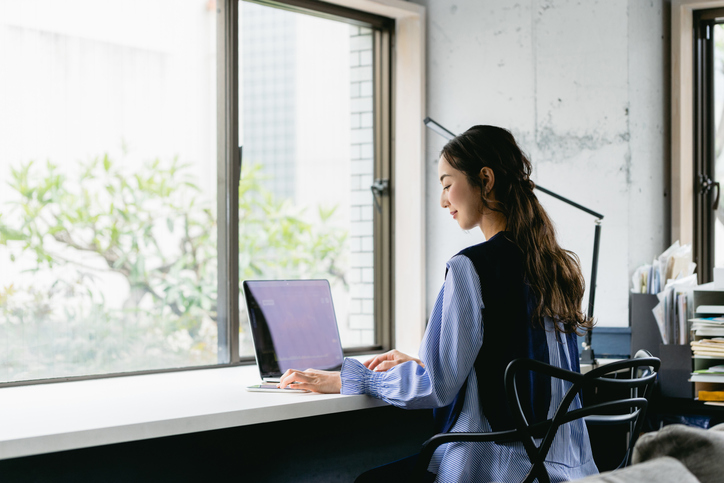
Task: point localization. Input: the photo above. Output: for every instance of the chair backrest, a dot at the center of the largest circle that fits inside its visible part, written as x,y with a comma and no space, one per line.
644,371
636,374
639,372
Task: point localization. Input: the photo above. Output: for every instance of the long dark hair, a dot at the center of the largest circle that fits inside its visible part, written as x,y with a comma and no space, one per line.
554,274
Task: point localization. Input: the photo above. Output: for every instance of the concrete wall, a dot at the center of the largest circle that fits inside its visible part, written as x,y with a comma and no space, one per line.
583,86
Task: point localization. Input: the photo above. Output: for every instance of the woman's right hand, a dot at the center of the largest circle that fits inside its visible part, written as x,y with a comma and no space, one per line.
388,360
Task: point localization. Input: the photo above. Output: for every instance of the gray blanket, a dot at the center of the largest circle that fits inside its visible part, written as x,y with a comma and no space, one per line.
660,470
700,450
674,454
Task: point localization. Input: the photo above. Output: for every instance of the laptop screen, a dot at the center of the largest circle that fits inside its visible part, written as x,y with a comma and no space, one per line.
293,325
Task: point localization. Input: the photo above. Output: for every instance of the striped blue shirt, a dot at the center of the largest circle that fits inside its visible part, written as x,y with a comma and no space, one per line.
449,348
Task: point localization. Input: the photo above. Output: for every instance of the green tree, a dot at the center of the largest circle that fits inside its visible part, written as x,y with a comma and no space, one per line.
155,230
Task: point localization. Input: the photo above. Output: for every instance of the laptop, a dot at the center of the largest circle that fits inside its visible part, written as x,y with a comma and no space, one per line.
293,326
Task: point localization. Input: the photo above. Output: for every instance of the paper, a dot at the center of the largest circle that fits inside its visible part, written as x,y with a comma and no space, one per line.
671,277
675,263
682,318
671,313
705,348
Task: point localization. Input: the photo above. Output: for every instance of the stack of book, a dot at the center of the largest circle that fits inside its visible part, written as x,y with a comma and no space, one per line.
708,326
711,375
709,347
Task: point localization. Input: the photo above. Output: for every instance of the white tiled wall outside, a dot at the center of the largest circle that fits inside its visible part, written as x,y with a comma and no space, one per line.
361,318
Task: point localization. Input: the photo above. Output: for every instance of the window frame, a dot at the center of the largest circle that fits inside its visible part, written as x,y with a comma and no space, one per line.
383,32
228,173
399,148
692,123
703,165
704,140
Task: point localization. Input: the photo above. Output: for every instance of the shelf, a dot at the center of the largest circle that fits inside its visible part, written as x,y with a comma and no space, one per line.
710,309
707,378
707,302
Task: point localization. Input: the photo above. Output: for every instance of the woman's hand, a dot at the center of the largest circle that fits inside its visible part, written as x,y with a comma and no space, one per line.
325,382
388,360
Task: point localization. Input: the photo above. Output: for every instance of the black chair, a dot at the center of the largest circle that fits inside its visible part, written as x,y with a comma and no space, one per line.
537,438
622,420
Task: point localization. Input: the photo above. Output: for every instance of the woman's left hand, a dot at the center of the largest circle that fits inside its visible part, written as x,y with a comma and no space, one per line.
325,382
388,360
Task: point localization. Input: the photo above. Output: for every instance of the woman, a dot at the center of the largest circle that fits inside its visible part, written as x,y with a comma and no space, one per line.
518,294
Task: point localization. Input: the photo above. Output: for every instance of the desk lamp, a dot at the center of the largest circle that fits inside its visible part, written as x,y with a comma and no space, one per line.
587,356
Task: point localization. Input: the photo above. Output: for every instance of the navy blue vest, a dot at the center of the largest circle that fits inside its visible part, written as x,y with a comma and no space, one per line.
508,334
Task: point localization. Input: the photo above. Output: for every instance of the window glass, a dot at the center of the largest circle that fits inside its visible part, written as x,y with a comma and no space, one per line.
305,204
108,175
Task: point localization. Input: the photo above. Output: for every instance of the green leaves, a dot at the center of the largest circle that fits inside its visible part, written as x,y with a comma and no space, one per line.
7,233
278,239
155,229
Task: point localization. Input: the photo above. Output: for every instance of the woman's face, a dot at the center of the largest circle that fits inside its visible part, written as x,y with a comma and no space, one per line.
459,197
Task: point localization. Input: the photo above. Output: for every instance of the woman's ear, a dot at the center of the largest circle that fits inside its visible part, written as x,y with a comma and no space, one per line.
487,177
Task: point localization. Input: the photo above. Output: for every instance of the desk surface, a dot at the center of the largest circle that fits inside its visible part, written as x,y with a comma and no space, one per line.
56,417
599,362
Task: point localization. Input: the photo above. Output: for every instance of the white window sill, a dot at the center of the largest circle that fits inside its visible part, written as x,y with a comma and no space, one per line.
71,415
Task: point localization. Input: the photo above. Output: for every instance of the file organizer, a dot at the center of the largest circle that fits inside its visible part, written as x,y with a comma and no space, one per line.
707,303
676,361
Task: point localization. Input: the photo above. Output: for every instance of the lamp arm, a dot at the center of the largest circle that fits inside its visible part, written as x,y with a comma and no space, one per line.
587,355
572,203
439,129
594,269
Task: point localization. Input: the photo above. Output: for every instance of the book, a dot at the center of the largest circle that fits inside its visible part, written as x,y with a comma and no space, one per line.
719,369
708,371
681,312
709,331
707,378
714,344
711,395
708,347
708,320
709,353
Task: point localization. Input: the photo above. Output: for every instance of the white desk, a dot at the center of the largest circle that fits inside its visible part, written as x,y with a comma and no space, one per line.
71,415
599,362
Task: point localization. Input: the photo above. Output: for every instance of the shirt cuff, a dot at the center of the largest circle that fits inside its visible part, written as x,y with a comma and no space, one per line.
357,379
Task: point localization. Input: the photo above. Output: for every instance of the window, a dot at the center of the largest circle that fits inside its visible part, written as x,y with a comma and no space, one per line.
108,199
708,141
124,223
307,128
